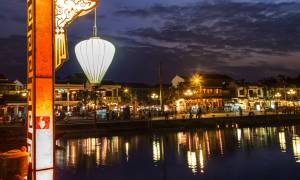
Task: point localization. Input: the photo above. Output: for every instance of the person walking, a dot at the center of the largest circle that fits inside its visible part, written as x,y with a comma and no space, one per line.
191,115
149,115
199,113
240,111
166,115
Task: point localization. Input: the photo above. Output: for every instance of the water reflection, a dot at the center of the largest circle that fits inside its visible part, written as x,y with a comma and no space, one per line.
296,148
95,151
192,150
282,141
156,149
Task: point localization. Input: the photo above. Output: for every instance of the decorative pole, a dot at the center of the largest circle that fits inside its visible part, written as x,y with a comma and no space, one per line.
46,51
40,74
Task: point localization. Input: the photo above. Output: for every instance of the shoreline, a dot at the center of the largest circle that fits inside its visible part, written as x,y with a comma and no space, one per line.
141,125
14,136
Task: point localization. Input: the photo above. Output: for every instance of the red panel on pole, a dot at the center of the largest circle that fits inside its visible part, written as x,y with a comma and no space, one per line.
42,122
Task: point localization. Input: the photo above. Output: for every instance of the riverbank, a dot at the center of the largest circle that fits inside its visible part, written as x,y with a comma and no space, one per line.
105,127
13,136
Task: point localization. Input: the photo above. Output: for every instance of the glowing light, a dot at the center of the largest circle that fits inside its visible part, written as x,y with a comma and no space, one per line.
196,80
277,95
66,12
126,90
258,108
273,105
154,96
188,92
94,56
291,92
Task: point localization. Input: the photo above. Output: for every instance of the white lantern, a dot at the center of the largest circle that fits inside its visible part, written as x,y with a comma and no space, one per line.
94,56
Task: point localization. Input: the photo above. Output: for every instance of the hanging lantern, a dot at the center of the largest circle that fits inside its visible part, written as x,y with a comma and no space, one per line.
94,56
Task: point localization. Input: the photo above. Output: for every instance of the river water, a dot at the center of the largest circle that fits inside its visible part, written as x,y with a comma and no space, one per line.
232,153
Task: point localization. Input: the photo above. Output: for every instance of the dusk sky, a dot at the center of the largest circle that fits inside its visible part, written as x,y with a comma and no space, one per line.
249,39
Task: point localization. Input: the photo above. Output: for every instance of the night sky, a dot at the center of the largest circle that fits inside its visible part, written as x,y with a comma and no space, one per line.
249,39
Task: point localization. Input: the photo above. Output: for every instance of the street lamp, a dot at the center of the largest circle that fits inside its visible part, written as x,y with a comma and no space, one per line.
127,94
24,94
188,92
197,81
277,96
154,96
126,90
291,93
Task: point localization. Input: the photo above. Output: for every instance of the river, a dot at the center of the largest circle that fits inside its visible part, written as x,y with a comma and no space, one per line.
231,153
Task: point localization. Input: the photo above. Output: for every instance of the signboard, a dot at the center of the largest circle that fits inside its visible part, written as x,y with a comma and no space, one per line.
42,122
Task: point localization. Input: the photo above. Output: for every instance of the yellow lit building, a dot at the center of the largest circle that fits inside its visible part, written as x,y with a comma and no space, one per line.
68,94
207,91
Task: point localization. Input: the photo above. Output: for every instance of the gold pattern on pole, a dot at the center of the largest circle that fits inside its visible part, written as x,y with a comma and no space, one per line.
67,11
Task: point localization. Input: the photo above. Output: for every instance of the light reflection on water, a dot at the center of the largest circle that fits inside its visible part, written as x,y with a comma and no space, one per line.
192,152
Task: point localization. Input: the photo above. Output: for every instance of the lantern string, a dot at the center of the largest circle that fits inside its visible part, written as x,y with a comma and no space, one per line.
95,24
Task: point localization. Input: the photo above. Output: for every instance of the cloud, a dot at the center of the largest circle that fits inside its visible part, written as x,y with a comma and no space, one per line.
238,37
225,35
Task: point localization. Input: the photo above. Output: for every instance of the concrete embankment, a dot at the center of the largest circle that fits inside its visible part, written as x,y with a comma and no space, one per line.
112,127
116,127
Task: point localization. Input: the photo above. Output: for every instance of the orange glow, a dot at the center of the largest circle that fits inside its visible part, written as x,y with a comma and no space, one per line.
41,16
40,83
43,38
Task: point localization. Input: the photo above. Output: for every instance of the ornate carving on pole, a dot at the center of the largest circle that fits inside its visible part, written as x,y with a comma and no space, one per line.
66,12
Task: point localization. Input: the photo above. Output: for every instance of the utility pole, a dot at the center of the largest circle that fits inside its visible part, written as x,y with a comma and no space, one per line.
161,86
